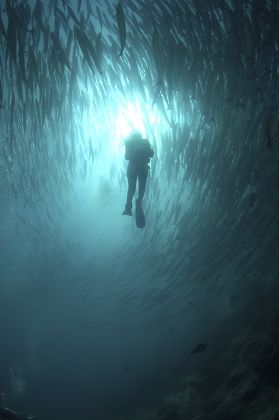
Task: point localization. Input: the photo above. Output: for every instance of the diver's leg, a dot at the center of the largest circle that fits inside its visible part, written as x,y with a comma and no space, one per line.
132,179
142,183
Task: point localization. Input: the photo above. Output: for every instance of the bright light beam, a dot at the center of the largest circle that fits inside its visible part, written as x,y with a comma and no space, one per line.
109,126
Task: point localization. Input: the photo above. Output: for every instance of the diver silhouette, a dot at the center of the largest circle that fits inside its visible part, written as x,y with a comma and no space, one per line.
138,152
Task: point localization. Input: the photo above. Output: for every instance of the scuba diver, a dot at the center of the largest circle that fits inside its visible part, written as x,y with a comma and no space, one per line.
138,152
7,414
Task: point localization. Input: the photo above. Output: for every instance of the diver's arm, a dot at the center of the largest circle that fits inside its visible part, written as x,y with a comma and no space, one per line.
149,149
128,151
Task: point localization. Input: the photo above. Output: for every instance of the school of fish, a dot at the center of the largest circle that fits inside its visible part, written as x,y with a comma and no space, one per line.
212,70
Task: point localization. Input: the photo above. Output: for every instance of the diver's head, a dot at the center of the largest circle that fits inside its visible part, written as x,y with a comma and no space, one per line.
135,134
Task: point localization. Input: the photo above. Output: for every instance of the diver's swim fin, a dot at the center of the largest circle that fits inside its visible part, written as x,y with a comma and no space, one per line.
140,219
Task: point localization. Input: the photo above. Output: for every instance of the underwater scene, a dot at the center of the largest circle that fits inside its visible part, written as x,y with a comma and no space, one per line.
139,209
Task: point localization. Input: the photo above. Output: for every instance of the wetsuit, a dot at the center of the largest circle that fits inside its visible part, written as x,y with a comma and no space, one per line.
138,151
